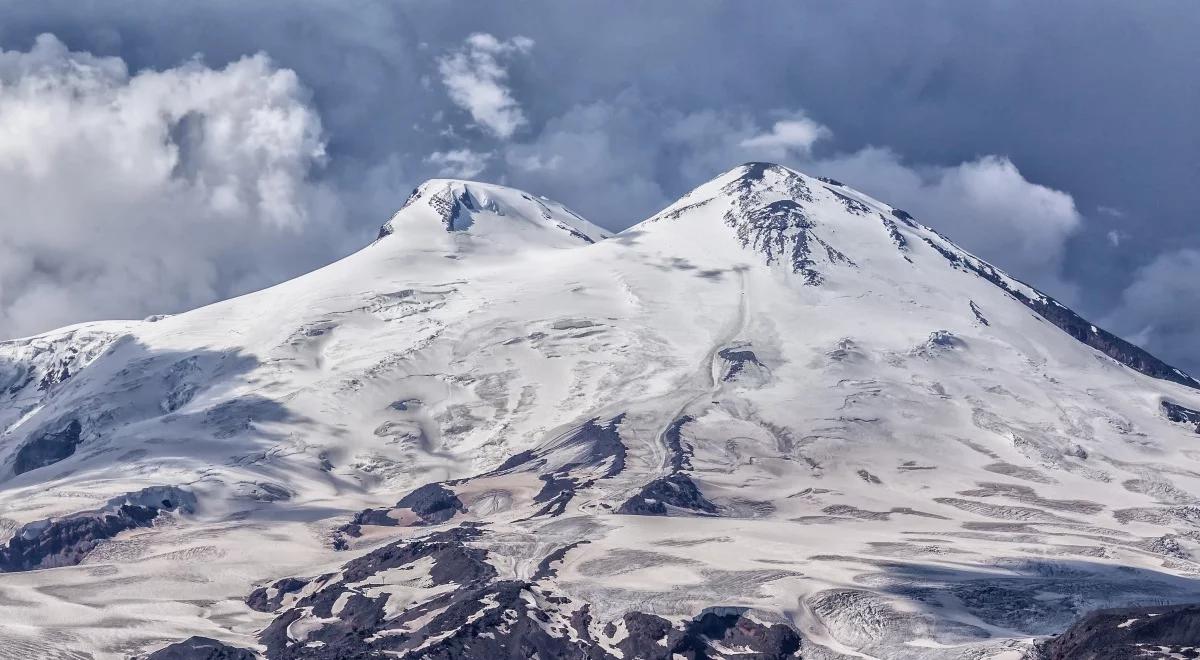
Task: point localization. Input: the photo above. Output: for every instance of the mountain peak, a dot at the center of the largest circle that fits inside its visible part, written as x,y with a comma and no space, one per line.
813,226
442,211
834,237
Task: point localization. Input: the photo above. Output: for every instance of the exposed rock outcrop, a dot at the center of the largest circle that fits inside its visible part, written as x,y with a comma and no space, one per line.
67,540
201,648
1171,631
48,448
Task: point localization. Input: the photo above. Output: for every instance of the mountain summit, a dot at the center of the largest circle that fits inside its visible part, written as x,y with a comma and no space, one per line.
820,226
777,419
486,213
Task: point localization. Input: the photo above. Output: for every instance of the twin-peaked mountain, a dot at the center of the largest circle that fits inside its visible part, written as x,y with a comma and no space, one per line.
777,419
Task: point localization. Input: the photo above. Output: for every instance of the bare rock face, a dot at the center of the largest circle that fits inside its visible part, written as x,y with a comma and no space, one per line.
1182,415
463,611
781,229
1171,631
674,493
433,503
48,448
738,361
66,541
269,599
201,648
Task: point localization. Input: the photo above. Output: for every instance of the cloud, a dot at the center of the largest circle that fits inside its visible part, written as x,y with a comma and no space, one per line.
477,81
1160,309
459,163
787,137
125,195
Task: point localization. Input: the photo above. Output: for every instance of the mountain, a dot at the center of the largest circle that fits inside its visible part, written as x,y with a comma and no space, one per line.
777,419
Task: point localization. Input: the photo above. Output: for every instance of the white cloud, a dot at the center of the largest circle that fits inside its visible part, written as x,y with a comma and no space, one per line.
794,136
476,80
459,163
125,195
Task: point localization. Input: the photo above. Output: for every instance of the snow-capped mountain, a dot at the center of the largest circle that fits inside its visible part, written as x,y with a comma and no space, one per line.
777,419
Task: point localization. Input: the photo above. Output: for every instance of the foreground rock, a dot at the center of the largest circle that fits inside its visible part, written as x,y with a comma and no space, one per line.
1171,631
201,648
439,597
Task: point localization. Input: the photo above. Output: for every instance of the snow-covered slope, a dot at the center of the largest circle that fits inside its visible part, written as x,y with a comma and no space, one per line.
779,416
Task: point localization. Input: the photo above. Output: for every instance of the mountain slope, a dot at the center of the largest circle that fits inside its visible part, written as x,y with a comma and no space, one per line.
778,416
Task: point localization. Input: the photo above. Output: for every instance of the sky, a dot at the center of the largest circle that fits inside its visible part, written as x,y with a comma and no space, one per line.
157,156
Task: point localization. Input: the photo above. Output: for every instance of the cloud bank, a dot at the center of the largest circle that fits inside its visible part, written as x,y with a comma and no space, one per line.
126,195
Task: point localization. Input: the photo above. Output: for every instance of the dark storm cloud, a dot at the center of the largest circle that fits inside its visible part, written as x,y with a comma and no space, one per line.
617,111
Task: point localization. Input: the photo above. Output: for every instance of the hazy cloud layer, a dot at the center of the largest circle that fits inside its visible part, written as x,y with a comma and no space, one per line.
1056,139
